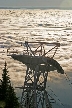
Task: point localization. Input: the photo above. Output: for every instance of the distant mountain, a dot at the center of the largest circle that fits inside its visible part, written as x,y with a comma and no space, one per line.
9,8
36,8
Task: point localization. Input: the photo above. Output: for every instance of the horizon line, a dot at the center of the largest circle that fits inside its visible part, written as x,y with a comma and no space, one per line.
34,7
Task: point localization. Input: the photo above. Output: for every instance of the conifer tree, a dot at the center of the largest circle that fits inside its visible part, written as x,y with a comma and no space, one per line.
0,90
7,91
11,99
5,82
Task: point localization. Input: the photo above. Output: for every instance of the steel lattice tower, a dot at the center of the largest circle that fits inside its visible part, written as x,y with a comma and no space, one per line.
34,93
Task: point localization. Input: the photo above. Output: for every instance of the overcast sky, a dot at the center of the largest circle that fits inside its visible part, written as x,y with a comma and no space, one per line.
36,3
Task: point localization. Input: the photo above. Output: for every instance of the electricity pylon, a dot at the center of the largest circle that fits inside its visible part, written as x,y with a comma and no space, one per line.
34,93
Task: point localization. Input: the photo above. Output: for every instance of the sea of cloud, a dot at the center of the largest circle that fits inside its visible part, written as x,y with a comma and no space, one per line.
18,26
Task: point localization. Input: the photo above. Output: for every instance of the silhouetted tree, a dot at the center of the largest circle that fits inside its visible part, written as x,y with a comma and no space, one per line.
5,82
11,99
0,90
7,91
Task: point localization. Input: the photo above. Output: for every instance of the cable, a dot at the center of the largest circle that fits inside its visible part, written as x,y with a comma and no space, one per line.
56,97
68,80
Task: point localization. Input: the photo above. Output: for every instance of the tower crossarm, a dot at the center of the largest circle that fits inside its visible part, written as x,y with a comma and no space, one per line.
52,43
40,49
34,60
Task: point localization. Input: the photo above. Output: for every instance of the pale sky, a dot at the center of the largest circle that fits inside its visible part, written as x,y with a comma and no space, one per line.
36,3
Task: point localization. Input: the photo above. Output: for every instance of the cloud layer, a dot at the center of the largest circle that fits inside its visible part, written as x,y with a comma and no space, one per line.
37,25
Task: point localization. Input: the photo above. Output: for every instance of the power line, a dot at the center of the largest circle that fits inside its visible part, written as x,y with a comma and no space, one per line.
55,96
68,79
